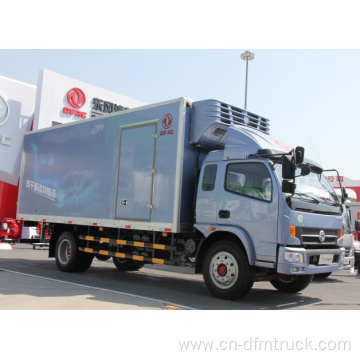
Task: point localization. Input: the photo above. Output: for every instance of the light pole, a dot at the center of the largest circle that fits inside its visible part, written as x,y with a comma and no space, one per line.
247,55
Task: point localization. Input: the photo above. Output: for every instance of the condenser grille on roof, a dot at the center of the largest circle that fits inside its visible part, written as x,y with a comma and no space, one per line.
233,115
211,120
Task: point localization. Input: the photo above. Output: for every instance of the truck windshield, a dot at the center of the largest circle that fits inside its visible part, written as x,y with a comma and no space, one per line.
313,193
315,185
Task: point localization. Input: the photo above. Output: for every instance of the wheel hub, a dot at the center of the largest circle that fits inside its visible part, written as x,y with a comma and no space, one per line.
64,251
224,270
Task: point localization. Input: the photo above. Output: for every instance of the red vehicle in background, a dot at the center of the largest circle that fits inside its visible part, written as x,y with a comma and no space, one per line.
9,229
38,232
357,241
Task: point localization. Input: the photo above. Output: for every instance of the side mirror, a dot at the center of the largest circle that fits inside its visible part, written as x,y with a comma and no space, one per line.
305,170
288,167
344,195
289,187
299,154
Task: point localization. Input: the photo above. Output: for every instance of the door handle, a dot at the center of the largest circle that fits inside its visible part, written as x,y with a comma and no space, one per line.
224,214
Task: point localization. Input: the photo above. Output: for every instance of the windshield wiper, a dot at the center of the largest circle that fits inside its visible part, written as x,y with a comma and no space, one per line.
302,195
331,203
316,201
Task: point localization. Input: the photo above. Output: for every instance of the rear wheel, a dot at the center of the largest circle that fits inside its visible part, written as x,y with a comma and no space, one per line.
101,257
292,284
68,257
127,264
226,270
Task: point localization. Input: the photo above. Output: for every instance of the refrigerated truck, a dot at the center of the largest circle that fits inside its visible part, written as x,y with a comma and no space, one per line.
183,183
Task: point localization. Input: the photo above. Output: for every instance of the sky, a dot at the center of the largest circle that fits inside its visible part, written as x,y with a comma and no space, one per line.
311,97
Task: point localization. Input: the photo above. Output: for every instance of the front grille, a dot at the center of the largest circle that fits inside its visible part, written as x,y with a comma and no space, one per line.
310,237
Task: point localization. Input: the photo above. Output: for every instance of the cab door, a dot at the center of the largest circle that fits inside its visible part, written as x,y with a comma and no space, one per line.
249,199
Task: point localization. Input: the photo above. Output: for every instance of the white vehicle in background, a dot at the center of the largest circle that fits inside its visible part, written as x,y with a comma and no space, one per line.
348,238
348,243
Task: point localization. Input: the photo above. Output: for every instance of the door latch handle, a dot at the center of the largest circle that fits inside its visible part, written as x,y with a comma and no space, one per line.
224,214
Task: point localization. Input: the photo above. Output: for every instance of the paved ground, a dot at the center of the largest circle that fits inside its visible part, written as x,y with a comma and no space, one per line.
30,280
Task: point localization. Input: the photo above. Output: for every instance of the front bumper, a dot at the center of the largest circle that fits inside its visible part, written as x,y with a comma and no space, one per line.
311,260
349,262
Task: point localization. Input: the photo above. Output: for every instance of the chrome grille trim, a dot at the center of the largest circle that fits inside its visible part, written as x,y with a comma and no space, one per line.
310,237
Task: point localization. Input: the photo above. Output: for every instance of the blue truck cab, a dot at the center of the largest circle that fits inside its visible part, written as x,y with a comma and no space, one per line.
289,229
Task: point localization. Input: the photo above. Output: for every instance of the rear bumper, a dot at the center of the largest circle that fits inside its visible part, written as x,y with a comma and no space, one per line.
310,261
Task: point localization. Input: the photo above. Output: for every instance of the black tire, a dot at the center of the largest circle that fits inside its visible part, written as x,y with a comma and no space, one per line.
68,257
103,257
292,285
226,270
127,264
323,275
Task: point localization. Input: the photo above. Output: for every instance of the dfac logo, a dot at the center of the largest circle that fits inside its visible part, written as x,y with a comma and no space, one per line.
4,111
166,123
322,236
76,98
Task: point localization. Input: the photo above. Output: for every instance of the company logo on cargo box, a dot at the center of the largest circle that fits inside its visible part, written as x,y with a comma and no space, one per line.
40,189
76,99
167,122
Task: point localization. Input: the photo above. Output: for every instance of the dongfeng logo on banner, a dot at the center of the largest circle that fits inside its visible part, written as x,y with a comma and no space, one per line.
76,99
4,111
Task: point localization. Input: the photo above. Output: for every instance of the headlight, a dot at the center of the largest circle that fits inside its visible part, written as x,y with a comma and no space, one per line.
4,226
294,257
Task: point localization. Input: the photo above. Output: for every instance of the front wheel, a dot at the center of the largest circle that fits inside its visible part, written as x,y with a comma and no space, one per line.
68,257
226,270
292,284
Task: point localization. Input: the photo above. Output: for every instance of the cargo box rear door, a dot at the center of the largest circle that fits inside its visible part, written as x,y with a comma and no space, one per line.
136,171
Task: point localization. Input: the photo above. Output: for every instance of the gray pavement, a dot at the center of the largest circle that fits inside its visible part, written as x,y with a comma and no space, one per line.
29,280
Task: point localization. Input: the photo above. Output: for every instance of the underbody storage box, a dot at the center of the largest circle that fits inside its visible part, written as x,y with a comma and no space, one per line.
134,169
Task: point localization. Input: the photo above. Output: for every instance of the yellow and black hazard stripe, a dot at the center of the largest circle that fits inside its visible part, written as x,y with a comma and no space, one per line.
138,244
122,255
128,256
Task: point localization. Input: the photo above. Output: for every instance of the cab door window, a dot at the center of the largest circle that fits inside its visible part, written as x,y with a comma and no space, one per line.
249,179
209,178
